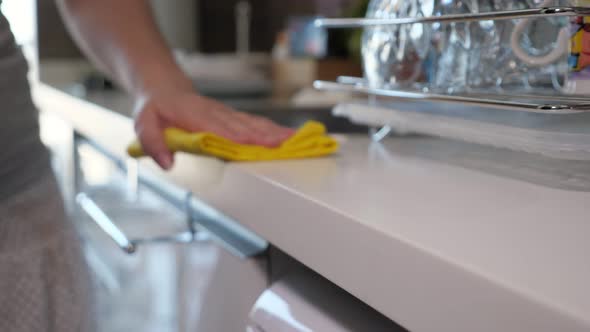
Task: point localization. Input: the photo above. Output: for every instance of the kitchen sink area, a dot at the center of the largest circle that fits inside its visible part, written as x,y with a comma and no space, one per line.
309,224
280,111
448,193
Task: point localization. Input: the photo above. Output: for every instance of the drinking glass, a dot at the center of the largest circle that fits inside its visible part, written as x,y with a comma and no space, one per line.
396,55
534,51
465,56
455,48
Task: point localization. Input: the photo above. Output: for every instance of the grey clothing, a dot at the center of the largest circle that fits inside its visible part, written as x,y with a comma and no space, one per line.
22,156
44,282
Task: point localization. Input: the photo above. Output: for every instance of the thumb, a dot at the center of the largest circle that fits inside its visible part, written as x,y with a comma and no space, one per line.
151,135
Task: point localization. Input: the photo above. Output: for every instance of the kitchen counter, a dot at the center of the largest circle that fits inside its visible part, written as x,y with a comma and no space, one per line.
433,245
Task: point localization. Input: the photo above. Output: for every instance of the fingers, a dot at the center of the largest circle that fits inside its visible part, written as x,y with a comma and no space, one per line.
150,132
217,122
264,132
195,113
275,132
235,129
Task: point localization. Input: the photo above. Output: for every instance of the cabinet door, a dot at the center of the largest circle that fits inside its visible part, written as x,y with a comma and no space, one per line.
217,289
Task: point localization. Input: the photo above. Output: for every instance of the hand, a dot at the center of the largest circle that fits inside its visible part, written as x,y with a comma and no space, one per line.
189,111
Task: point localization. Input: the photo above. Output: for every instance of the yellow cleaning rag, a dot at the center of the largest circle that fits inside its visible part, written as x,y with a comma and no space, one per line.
309,141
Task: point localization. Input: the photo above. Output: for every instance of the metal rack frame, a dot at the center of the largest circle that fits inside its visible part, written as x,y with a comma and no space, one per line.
552,104
200,217
524,102
544,12
555,105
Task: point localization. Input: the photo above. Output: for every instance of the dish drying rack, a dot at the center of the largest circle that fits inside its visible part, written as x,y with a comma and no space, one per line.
542,12
548,140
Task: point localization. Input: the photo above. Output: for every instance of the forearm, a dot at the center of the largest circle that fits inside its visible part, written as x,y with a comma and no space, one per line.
122,39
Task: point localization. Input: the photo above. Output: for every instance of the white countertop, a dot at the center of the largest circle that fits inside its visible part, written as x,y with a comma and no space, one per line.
434,246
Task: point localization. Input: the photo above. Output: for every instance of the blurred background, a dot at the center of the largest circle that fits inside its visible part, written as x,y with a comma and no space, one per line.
259,56
262,57
204,26
271,43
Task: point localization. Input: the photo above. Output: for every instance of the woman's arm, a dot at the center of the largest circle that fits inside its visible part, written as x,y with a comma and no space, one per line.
122,39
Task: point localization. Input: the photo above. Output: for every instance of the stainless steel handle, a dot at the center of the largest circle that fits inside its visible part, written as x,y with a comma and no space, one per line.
228,233
105,223
128,245
563,104
498,15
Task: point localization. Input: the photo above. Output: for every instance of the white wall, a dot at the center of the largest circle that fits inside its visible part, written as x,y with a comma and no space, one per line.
21,15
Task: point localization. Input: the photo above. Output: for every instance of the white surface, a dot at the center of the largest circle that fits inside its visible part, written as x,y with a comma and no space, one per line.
217,289
543,134
304,303
312,97
434,247
162,287
224,66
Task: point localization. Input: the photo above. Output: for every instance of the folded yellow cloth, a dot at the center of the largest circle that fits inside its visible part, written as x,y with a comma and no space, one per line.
309,141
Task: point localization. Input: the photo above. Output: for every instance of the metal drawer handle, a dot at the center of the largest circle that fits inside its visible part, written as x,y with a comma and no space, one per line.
128,245
226,232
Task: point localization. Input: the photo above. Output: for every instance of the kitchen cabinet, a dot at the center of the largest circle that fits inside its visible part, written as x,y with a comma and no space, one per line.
300,300
202,284
307,302
196,286
217,289
461,264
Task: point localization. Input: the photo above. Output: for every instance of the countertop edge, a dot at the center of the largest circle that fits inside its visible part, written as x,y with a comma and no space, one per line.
416,284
